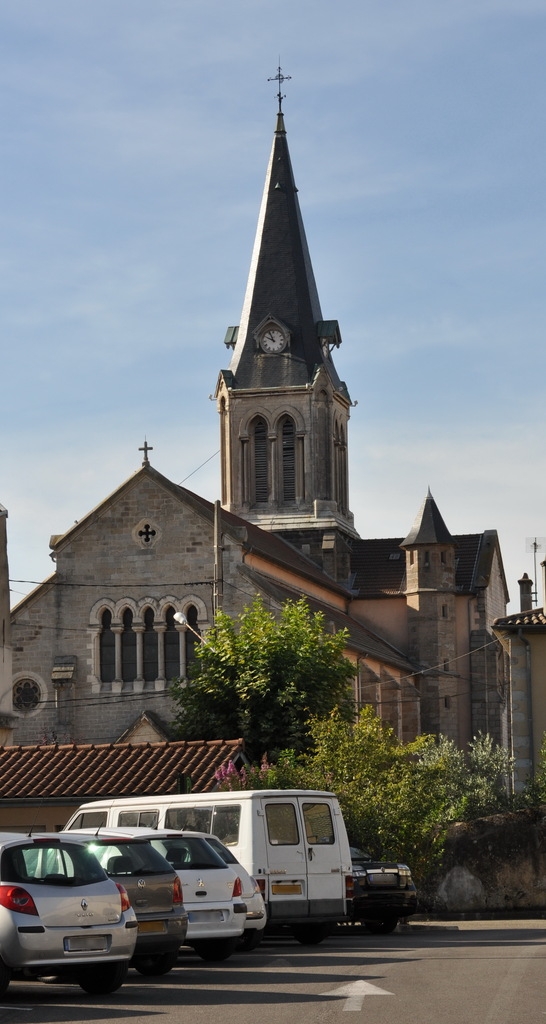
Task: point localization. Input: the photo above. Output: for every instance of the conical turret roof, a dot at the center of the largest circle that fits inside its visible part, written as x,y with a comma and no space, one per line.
429,527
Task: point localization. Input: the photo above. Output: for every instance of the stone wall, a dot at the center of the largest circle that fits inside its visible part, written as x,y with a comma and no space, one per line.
490,865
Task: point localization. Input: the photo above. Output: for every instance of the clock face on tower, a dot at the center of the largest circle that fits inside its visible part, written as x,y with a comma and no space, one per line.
273,340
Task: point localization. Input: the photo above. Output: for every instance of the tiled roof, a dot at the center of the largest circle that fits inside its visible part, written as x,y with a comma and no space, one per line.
535,617
380,565
90,770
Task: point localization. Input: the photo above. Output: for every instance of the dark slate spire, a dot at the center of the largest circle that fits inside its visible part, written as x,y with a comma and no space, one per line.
281,285
429,527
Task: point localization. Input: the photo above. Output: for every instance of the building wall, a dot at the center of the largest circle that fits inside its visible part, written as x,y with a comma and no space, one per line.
106,561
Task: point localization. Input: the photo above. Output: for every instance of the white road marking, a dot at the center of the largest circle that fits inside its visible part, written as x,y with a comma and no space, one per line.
355,991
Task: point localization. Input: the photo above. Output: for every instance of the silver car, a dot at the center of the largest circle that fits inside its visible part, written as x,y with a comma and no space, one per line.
60,915
154,889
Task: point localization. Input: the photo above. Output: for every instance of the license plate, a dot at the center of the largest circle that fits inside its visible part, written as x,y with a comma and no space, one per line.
286,888
205,916
151,926
86,944
382,879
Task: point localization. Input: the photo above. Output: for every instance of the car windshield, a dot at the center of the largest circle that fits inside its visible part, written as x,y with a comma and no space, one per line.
52,863
124,857
189,852
359,856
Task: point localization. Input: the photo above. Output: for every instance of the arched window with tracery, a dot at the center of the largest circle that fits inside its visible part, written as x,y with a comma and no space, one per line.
149,652
260,473
288,460
107,648
172,647
128,648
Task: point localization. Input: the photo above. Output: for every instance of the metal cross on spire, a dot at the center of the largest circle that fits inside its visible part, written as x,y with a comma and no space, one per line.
280,78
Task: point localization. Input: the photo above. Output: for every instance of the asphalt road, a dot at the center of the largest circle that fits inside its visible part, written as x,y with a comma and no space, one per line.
450,973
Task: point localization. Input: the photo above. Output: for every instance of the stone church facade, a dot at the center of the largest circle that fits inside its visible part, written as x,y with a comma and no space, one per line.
97,644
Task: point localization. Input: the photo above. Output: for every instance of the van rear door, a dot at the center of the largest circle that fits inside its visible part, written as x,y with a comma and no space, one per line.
306,880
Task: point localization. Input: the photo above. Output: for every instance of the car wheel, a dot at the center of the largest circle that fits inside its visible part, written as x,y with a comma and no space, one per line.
5,977
103,978
155,963
214,949
250,939
384,927
309,934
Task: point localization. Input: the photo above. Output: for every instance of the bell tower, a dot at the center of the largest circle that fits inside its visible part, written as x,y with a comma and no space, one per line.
284,411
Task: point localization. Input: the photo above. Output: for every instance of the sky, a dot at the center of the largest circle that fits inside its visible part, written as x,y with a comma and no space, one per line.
134,145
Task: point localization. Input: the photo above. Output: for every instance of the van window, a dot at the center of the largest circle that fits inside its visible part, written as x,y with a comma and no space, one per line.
225,823
282,827
196,819
318,824
222,820
142,819
90,819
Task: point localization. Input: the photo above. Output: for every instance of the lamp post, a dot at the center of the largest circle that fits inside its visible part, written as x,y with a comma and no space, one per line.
182,621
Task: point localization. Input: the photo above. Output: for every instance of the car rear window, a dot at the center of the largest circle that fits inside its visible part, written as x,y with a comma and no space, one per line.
128,858
222,850
189,852
50,864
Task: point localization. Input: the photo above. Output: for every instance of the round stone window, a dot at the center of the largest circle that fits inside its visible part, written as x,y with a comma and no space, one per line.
26,695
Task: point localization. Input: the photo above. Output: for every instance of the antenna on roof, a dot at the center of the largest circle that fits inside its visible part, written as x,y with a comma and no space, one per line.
535,544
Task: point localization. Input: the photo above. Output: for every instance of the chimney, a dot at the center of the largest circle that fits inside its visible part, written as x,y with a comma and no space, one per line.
525,593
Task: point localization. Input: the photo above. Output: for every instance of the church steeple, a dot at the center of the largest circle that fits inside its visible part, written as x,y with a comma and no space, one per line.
284,411
281,289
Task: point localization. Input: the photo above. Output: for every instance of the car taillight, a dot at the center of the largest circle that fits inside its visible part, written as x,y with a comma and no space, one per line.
12,897
349,886
260,882
124,898
237,888
177,891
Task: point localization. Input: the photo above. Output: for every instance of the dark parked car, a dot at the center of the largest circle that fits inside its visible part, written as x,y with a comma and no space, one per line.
383,892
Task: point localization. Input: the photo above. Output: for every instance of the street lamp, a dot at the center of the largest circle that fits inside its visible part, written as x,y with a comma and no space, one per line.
182,621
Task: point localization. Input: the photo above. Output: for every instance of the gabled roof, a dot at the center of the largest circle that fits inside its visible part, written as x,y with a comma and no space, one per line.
250,536
380,572
281,285
68,772
361,639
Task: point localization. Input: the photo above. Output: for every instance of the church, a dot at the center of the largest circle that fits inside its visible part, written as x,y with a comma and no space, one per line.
138,580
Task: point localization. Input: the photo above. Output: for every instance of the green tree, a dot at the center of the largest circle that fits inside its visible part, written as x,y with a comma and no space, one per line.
263,678
397,798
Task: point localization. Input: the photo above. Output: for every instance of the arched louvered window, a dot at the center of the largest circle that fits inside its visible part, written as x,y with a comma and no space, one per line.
150,665
172,647
107,648
261,488
288,442
128,648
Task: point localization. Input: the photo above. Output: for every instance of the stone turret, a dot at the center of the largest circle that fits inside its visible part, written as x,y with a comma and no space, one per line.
430,596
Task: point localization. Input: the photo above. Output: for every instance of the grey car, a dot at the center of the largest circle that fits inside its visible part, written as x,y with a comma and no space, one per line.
154,889
61,916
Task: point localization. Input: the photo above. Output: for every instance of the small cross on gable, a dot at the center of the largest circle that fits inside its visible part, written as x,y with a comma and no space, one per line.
146,448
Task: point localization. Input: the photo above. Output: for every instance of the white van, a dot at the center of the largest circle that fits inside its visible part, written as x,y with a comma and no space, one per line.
294,842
